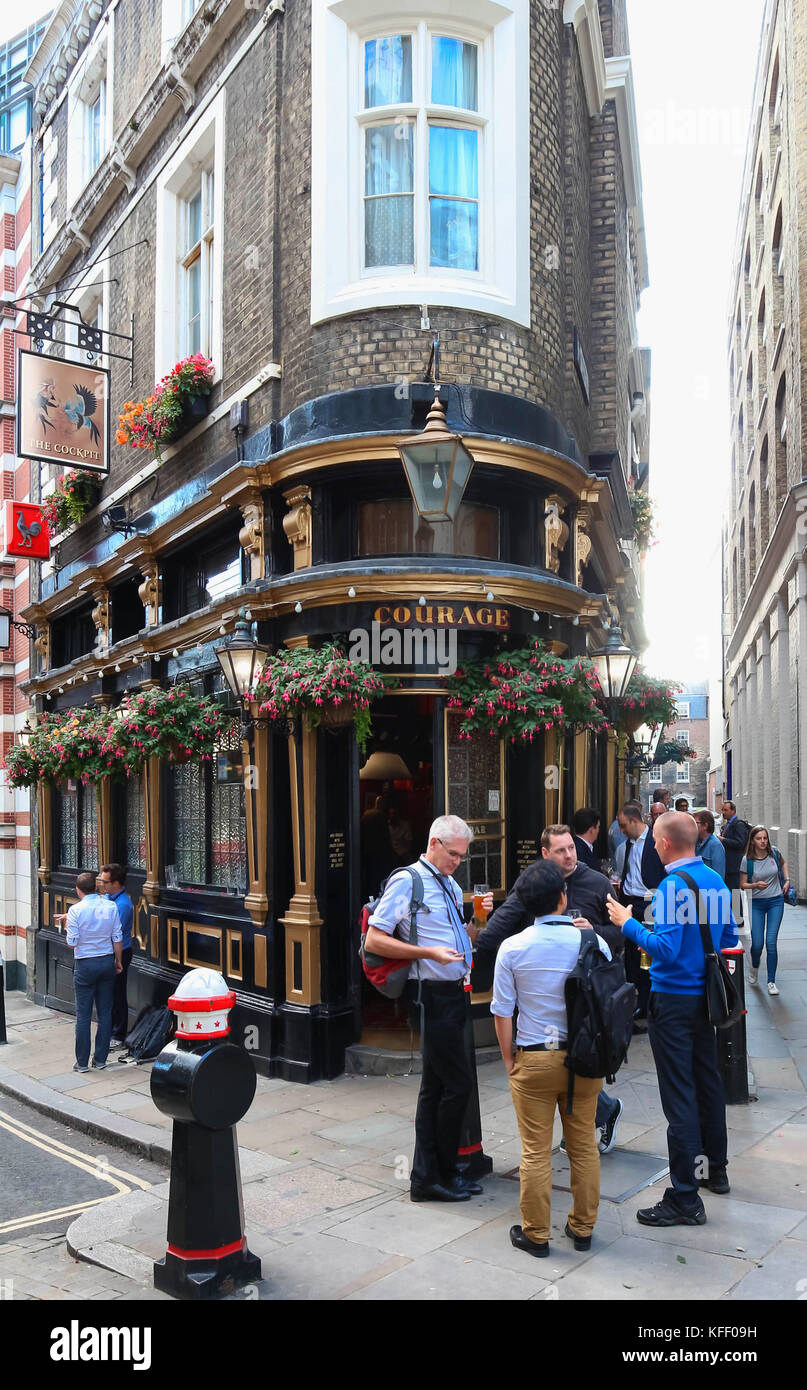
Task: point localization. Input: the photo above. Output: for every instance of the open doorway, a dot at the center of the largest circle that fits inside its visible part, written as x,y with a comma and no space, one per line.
396,806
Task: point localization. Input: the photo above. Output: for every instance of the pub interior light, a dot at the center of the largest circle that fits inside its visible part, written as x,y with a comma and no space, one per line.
437,466
384,767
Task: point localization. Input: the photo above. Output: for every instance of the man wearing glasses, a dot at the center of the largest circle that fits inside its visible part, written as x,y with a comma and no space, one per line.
111,882
441,964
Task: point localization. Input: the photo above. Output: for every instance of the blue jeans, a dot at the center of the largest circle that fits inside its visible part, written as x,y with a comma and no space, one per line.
93,983
772,909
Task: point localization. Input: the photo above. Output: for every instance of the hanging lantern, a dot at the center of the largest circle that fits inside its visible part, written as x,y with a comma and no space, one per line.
241,658
614,664
437,467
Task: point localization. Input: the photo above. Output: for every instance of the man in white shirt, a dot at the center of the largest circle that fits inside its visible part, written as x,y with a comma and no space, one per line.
441,964
94,934
531,972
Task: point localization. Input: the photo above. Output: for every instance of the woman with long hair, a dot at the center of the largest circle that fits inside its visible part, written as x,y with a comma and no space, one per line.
764,873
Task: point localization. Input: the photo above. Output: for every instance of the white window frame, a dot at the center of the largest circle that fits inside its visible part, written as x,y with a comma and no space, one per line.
682,773
682,736
682,708
92,302
202,152
654,776
90,82
339,282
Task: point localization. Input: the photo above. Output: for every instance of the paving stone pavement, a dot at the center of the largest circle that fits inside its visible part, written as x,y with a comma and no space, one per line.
325,1173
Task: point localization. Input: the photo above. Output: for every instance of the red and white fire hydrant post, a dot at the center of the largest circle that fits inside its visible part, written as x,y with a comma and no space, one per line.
206,1084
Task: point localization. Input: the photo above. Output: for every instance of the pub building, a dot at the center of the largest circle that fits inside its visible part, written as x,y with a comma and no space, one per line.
295,499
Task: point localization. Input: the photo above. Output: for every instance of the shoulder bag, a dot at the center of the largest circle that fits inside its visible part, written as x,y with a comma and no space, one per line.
724,1006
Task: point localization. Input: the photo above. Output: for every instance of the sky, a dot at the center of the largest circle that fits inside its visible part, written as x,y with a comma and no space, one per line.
694,65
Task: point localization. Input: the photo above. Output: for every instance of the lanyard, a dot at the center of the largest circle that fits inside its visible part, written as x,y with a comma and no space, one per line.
451,902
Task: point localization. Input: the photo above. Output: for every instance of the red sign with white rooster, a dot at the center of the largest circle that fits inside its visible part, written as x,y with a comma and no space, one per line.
26,531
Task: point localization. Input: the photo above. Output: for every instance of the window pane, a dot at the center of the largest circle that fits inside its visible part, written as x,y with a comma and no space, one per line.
68,825
453,162
389,159
135,824
193,278
454,73
89,828
389,220
474,771
19,125
454,234
193,222
225,581
388,70
386,528
190,837
229,836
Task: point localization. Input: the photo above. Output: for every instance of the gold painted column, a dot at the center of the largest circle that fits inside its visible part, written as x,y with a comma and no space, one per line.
581,747
255,756
302,921
44,804
152,797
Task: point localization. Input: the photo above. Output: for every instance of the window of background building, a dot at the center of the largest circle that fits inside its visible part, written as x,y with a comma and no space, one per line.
682,772
89,107
682,707
655,773
682,736
195,281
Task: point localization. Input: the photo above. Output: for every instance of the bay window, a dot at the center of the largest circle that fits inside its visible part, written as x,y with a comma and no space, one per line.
420,157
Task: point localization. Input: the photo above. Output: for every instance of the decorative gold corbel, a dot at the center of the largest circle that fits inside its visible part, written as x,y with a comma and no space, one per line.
297,524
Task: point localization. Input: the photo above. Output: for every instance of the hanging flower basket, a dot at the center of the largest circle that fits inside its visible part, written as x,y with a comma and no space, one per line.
646,701
75,494
322,684
518,694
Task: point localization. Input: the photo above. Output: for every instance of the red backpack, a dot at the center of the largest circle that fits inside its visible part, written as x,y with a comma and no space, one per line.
386,974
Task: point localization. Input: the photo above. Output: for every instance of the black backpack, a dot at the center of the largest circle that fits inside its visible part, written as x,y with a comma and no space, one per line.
600,1005
148,1035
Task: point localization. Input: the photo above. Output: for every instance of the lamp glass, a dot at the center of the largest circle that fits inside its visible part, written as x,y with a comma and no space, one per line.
437,471
615,664
240,661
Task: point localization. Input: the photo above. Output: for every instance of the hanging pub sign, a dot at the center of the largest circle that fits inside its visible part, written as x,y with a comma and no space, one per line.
63,412
25,531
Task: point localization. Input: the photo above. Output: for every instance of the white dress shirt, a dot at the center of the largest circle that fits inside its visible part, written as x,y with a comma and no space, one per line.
634,887
531,972
437,922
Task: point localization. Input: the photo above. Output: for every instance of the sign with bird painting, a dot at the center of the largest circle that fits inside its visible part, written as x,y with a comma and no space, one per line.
25,531
62,412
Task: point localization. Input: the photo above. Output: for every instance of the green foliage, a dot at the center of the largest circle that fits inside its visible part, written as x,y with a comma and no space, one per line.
644,519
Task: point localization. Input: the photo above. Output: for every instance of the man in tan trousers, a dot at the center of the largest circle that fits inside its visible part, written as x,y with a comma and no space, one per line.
531,972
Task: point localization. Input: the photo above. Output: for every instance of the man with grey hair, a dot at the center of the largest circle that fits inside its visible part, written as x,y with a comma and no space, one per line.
440,970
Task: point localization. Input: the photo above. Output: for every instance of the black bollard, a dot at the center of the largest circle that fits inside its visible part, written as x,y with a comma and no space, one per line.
206,1085
732,1047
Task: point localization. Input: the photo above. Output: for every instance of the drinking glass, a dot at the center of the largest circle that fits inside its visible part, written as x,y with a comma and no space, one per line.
480,915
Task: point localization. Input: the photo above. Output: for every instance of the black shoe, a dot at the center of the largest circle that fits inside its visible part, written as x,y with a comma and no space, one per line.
580,1242
532,1247
608,1135
463,1184
718,1182
666,1213
637,1031
438,1192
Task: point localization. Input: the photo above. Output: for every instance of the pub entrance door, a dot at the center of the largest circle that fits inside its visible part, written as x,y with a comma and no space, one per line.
396,808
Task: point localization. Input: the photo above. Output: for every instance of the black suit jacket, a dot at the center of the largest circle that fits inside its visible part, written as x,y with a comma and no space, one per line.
735,838
585,853
587,891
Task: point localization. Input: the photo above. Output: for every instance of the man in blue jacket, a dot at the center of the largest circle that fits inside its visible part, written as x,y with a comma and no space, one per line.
682,1039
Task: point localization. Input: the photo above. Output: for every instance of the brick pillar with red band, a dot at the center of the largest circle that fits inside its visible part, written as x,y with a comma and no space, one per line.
206,1085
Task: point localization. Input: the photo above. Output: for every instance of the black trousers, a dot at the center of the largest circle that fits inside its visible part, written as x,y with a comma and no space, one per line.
446,1082
633,970
120,1008
692,1097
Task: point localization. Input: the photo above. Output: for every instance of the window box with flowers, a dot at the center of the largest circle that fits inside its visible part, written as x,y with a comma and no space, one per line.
323,684
75,494
177,403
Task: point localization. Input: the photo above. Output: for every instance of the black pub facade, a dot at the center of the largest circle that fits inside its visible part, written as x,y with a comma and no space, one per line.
289,498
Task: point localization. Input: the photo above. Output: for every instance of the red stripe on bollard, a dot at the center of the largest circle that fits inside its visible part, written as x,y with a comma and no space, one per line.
217,1254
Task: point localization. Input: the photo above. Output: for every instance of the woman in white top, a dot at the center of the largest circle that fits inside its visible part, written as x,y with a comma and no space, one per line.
764,873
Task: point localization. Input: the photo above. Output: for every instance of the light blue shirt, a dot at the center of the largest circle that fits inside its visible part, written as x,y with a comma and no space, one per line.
437,922
92,926
634,886
531,972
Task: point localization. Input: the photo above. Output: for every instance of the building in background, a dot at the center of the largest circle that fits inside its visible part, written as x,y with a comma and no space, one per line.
309,199
15,221
765,567
689,778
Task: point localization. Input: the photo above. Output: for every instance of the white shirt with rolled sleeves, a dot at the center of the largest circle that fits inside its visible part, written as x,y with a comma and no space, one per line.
92,926
436,925
531,972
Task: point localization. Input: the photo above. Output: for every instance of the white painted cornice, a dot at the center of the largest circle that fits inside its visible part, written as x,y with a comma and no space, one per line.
70,25
585,16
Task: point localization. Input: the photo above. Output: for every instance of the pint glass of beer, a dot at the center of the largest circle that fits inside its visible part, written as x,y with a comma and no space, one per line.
480,915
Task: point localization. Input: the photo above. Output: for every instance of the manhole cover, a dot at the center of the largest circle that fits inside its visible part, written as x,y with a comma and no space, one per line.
623,1173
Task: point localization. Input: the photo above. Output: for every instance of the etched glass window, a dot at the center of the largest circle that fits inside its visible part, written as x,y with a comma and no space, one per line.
89,827
475,792
190,829
135,824
67,813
